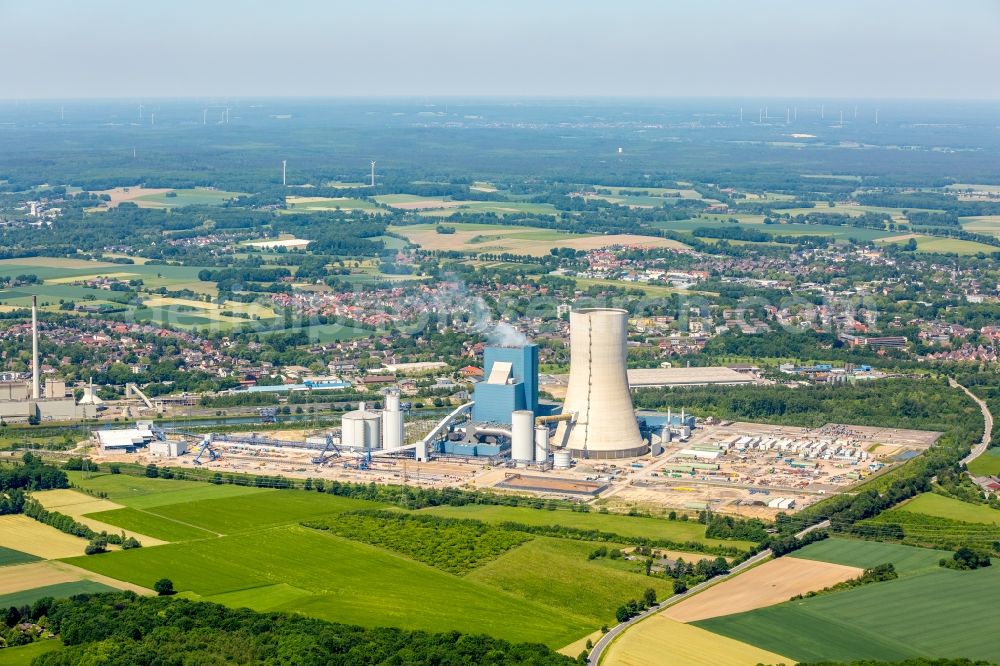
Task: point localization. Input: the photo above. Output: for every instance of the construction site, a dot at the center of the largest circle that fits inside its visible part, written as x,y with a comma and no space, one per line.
594,447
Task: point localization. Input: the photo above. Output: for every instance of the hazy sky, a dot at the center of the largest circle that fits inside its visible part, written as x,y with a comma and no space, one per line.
753,48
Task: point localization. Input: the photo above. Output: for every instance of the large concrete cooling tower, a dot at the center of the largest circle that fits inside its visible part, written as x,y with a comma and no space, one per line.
605,425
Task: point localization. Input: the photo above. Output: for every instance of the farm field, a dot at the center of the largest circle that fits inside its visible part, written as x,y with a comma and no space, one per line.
216,557
770,583
59,590
298,204
82,508
143,493
34,538
890,620
931,504
154,528
982,224
233,512
866,554
959,187
687,645
9,556
567,580
629,526
20,577
489,238
987,464
346,582
58,276
444,206
756,222
931,244
661,192
157,197
212,311
648,289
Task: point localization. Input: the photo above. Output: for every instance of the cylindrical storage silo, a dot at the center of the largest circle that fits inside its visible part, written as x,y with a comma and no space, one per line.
522,446
597,394
361,429
541,443
392,423
562,459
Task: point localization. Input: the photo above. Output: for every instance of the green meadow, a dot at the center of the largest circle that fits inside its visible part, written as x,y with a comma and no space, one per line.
10,556
987,464
249,547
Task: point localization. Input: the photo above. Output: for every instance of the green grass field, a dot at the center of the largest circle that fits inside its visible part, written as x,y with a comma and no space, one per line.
23,655
58,278
629,526
59,591
931,504
756,223
931,244
10,556
235,513
245,547
987,464
556,572
150,524
186,197
142,493
929,611
449,207
867,554
346,582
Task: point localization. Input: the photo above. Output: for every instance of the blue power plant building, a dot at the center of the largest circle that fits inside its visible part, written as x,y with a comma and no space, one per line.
510,382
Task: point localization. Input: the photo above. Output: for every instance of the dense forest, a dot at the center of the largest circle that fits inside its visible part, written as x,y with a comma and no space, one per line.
123,629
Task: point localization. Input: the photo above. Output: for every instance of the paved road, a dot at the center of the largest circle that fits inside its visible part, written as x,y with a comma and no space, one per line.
980,448
598,652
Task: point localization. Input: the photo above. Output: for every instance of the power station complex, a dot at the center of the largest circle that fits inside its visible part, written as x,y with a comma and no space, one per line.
23,401
504,422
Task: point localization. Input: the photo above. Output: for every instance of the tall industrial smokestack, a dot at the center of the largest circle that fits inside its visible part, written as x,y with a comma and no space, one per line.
34,348
598,394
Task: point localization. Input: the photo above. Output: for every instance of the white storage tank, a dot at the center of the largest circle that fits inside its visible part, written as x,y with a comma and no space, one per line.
562,459
522,445
541,443
392,422
361,429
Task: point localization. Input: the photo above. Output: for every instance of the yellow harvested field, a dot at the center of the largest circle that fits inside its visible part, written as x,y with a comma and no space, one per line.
660,640
427,204
77,505
120,194
576,647
211,310
524,240
39,574
29,576
32,537
771,583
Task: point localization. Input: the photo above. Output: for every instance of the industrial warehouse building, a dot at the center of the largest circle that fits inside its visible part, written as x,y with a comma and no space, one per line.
654,377
511,384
